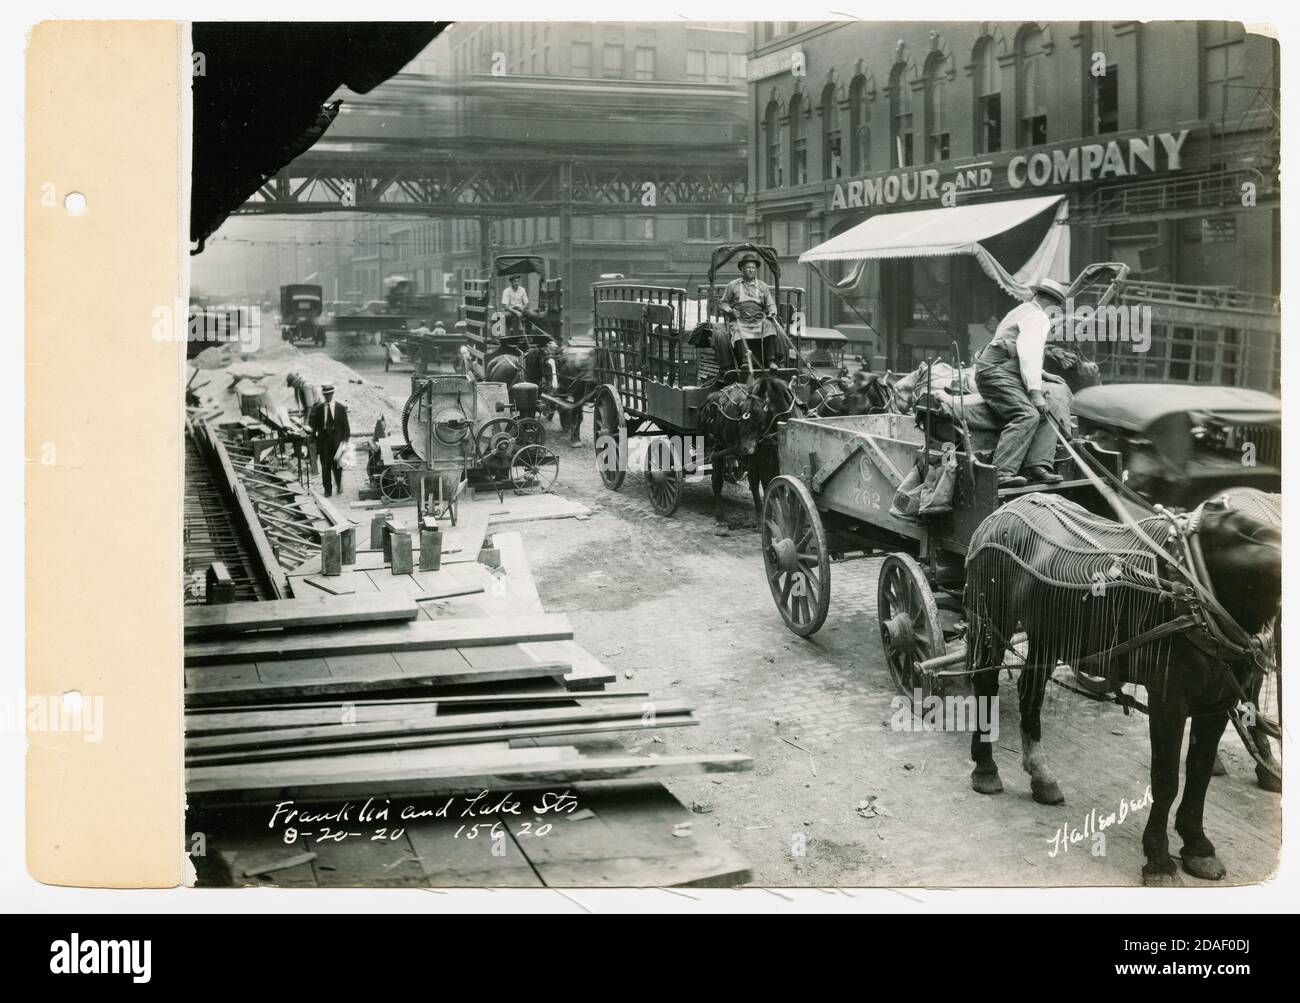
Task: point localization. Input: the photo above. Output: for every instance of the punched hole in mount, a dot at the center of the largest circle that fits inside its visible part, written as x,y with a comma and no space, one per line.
75,203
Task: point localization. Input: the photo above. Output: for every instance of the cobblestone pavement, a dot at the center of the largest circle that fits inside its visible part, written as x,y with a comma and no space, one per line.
838,796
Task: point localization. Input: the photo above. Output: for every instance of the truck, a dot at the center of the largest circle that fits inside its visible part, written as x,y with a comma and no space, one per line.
301,306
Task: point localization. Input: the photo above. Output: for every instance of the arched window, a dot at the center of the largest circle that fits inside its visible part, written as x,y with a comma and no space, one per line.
772,137
832,141
798,143
859,127
901,126
1102,74
988,98
1032,80
937,68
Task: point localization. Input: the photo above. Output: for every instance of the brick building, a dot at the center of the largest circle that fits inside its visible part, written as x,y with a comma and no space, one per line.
1162,137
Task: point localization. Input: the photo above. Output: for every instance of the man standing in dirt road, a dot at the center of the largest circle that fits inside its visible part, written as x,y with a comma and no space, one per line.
329,421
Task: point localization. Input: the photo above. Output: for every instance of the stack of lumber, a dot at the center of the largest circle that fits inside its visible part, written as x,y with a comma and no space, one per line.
330,703
258,661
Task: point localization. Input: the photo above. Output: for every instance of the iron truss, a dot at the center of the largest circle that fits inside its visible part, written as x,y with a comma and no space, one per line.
470,186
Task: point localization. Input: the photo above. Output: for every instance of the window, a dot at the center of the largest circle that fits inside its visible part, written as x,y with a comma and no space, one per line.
1102,110
900,100
614,62
714,228
988,99
798,143
832,143
859,127
695,62
580,59
772,137
717,67
645,64
1033,89
737,66
936,111
640,228
1224,54
788,237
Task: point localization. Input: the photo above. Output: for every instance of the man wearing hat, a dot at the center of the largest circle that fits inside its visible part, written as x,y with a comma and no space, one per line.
329,422
748,303
1009,376
515,300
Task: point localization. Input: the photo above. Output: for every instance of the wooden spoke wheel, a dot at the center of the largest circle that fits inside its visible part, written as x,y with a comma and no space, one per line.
796,555
609,428
394,485
664,475
910,631
534,469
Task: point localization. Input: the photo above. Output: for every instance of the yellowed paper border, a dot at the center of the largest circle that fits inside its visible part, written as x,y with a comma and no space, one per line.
102,440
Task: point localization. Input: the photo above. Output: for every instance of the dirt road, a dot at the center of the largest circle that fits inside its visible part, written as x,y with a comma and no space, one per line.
841,794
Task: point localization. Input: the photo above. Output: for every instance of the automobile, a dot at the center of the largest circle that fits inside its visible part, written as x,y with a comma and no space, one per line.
1180,445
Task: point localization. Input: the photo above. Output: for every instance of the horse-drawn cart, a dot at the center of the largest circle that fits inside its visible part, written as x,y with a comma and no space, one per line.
656,371
834,498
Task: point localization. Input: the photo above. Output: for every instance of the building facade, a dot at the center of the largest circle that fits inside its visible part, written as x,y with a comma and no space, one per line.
1162,137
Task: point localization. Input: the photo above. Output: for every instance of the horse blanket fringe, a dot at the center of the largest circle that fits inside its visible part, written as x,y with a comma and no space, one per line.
1077,583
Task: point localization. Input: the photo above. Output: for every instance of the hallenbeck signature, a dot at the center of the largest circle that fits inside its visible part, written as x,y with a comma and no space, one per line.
1094,824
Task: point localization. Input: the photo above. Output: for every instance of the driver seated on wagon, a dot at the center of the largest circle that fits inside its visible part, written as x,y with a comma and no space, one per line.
750,309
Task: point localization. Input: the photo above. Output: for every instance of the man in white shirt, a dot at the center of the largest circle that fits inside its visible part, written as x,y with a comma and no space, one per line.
515,300
1009,376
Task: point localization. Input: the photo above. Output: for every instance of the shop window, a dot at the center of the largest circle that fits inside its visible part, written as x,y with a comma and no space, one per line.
859,127
798,142
1033,86
772,138
831,139
988,99
900,99
936,113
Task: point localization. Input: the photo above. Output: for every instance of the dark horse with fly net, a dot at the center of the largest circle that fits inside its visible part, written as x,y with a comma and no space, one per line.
739,422
1181,605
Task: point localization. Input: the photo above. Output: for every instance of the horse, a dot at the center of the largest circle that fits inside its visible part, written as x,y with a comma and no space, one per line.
508,368
1086,591
874,397
740,421
575,382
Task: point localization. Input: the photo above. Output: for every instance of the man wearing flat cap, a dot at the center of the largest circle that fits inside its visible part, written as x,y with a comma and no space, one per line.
1009,376
329,422
749,305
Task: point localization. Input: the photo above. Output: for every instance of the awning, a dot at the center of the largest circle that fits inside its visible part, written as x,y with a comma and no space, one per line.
956,230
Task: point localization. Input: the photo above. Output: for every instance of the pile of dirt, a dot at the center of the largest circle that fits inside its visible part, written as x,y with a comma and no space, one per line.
222,370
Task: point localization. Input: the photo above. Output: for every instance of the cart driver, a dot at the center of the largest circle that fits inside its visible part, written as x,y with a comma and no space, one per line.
749,306
514,299
1009,376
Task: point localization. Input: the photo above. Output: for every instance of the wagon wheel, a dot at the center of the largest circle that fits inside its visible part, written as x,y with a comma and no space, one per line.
394,485
796,555
608,428
664,475
1267,725
534,469
497,438
910,631
734,469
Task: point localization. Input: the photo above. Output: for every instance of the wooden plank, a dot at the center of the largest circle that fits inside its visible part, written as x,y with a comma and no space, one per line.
337,731
407,773
237,618
305,752
205,691
843,453
412,636
627,841
260,717
333,587
883,462
519,575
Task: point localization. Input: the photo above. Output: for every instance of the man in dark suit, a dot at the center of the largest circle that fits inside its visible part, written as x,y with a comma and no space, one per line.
329,422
